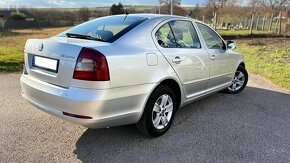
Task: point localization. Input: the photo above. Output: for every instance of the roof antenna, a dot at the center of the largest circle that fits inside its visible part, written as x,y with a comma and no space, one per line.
125,11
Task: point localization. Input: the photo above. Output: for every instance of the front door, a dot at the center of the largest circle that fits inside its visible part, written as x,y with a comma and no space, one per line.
221,63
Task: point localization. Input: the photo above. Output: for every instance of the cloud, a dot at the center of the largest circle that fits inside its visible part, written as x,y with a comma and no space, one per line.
82,3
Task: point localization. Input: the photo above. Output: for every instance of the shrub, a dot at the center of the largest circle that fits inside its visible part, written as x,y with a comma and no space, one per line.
17,15
117,9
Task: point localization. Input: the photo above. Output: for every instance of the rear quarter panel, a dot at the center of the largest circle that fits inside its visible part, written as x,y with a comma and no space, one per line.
127,58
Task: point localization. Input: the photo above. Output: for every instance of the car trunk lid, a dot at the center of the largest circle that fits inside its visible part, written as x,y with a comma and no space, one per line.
53,60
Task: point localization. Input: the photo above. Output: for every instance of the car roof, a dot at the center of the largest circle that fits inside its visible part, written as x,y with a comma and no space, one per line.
150,16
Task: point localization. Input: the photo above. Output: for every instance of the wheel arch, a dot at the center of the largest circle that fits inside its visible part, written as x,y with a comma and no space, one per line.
172,83
175,87
242,64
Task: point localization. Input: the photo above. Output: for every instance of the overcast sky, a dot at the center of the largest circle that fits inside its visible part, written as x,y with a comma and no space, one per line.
85,3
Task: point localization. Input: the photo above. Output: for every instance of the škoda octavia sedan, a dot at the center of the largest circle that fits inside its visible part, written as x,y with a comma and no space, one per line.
128,69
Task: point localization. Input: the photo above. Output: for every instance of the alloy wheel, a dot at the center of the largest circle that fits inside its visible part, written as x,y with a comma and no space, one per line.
162,111
238,81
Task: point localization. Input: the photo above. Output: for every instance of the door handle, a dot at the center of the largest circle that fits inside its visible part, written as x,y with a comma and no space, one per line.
176,60
212,57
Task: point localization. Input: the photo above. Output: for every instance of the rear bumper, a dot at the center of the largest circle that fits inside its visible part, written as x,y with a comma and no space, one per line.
108,107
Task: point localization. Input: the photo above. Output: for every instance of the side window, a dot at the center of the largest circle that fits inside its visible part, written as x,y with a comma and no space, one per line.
164,37
212,40
185,34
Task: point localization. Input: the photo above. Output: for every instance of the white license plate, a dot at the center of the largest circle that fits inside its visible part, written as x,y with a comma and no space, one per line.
45,63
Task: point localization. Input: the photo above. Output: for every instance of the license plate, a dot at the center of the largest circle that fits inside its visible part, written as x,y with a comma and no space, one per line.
45,63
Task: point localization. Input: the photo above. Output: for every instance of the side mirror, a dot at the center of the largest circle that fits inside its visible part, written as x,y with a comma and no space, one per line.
231,45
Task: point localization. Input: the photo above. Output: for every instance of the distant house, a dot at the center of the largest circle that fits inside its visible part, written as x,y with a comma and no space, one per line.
4,15
285,14
8,22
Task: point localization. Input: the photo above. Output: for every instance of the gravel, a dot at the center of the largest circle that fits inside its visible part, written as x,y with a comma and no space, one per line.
251,126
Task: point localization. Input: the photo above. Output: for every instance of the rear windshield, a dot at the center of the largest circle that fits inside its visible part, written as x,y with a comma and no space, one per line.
107,29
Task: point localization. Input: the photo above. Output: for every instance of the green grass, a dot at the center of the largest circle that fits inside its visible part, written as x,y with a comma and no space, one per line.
12,63
269,58
12,46
240,32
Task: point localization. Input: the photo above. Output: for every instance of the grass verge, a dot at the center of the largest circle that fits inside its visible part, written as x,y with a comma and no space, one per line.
241,32
269,58
12,45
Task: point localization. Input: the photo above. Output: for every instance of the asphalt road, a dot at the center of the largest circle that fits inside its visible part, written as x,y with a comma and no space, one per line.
251,126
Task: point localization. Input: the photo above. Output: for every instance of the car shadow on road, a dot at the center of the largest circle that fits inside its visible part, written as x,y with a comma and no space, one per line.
219,127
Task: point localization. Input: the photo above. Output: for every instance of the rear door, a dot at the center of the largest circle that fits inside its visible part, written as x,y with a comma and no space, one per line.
178,41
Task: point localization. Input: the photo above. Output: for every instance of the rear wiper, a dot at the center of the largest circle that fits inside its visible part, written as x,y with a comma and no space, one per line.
74,35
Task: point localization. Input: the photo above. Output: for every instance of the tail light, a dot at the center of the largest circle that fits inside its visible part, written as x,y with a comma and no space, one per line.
91,65
24,64
23,61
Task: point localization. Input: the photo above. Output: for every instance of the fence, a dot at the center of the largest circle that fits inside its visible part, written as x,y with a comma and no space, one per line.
2,23
55,23
22,24
287,29
257,23
19,24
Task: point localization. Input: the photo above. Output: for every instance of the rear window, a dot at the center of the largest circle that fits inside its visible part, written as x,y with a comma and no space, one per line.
108,29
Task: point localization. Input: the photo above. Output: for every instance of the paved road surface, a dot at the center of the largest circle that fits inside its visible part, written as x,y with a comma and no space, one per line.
251,126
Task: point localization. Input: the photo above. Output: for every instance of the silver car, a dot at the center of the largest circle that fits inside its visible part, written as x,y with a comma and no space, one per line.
127,69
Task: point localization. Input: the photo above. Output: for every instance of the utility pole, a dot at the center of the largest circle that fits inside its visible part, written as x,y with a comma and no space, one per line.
280,23
257,23
159,6
271,21
252,24
263,25
171,5
215,20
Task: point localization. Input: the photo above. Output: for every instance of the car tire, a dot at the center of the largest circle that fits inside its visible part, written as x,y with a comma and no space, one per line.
240,81
159,112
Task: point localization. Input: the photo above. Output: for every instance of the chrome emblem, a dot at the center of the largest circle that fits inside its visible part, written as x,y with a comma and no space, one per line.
40,47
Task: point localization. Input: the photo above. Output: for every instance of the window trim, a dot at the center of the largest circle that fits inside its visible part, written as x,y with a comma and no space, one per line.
170,31
168,22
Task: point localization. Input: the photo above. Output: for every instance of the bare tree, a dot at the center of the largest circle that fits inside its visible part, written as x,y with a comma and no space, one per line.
195,12
254,6
216,5
275,7
84,13
169,3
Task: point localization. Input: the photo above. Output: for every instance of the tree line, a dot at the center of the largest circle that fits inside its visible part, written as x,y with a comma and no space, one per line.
215,12
231,10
